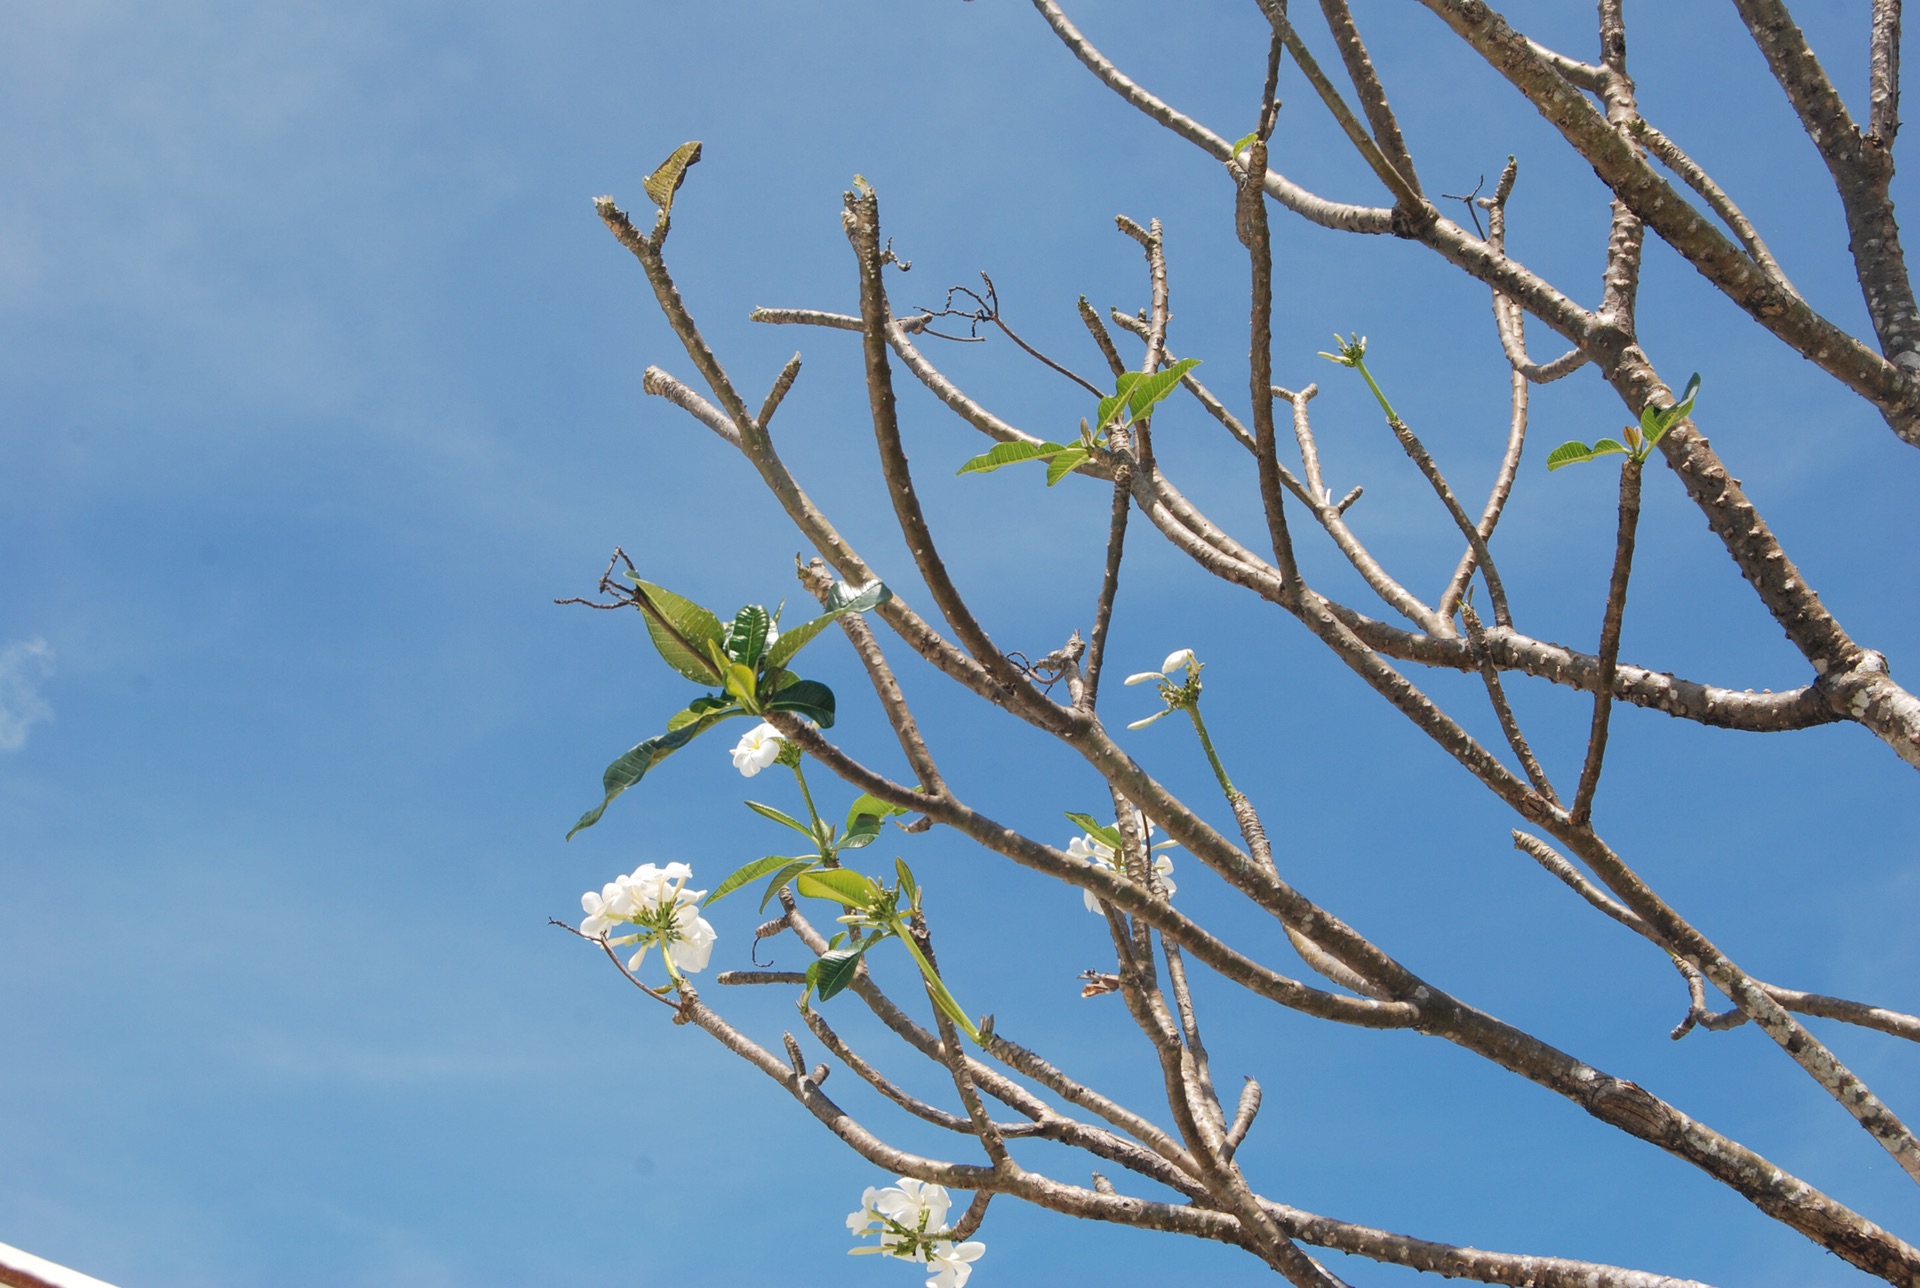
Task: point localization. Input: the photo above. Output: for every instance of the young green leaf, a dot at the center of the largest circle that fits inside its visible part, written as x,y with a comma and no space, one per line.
1576,453
741,683
681,630
768,811
752,871
1009,454
1241,145
746,638
1105,833
1655,423
1148,392
833,970
865,818
842,885
908,886
1064,464
868,805
808,698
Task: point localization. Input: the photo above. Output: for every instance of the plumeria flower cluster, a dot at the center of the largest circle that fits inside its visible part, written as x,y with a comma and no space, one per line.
656,901
911,1219
1091,849
1177,693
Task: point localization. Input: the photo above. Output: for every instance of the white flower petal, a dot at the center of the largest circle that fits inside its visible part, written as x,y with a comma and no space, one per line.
1141,724
1145,677
1178,659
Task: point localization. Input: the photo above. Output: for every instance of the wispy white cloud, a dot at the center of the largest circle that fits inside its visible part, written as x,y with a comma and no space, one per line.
24,665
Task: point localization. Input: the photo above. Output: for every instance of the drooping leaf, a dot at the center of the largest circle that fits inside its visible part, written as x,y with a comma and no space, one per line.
842,885
631,767
664,182
841,599
1241,145
808,698
1064,464
768,811
681,630
752,871
1105,833
783,876
833,970
746,637
1009,454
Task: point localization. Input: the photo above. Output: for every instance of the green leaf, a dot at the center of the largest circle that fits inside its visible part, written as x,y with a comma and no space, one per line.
808,698
699,708
741,682
1655,423
1105,833
867,805
752,871
1577,453
1009,454
746,638
1123,385
1064,464
783,876
865,818
832,971
1241,145
1148,391
633,766
841,599
768,811
908,885
681,630
842,885
664,182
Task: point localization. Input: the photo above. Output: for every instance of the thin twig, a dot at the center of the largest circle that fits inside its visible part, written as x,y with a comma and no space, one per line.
1609,652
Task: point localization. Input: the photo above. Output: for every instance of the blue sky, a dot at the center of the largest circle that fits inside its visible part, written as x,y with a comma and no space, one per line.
319,380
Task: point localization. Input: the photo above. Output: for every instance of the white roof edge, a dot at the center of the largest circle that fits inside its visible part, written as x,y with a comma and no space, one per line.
24,1270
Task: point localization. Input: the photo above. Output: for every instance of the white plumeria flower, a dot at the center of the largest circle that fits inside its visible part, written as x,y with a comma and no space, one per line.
657,902
952,1259
1170,688
910,1216
1090,849
757,748
613,904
